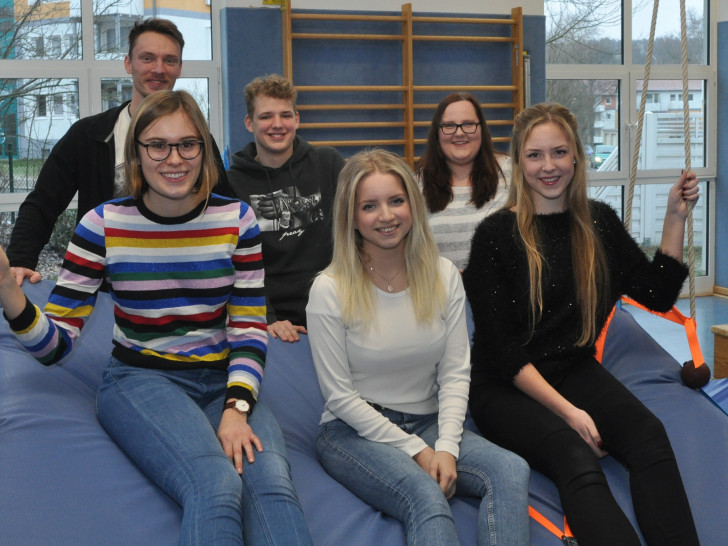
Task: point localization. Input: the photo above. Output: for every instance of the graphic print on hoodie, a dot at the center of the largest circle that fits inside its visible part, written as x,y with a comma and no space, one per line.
293,205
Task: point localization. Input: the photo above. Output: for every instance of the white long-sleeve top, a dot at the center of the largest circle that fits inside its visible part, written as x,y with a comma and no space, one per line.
398,363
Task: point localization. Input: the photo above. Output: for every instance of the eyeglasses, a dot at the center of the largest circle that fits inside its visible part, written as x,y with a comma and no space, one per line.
469,127
159,151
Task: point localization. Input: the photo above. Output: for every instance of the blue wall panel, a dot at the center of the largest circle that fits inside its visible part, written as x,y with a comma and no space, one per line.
252,46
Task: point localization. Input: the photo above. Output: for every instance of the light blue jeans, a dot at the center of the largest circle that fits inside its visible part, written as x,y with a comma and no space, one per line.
166,422
391,481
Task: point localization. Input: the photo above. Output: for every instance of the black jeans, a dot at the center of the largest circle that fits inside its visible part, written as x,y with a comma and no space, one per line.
630,432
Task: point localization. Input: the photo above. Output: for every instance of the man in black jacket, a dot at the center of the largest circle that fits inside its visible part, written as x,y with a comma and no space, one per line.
89,158
290,185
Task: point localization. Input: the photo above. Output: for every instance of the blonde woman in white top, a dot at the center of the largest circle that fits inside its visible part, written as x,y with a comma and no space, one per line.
390,345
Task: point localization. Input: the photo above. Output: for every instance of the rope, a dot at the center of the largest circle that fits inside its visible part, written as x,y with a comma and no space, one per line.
688,150
640,118
686,131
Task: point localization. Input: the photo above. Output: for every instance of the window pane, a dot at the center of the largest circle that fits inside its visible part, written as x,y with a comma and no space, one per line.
51,257
648,212
667,48
113,19
663,133
34,115
199,89
40,30
583,31
596,106
115,91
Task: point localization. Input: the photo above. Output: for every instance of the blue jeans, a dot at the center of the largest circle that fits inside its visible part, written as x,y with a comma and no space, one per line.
391,481
166,422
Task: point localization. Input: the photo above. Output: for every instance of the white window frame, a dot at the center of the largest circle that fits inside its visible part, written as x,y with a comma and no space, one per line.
89,72
627,76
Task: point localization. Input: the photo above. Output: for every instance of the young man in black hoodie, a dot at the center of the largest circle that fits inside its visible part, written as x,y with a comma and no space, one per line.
290,185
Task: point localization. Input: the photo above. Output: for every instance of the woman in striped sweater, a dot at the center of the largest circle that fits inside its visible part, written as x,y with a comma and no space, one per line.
463,179
185,274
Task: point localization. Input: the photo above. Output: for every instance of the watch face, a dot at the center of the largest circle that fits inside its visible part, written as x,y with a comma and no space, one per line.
242,406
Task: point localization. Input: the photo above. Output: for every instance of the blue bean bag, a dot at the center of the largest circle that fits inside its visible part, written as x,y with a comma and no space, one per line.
64,481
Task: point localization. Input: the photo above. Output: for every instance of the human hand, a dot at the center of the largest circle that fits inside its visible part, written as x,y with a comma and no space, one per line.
684,193
22,273
443,470
286,331
6,272
236,437
583,424
441,466
12,299
266,205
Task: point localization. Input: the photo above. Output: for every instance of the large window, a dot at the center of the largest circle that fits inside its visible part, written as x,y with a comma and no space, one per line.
63,60
605,42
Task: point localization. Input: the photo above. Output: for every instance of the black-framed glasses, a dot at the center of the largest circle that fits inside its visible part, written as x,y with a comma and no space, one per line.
469,127
159,151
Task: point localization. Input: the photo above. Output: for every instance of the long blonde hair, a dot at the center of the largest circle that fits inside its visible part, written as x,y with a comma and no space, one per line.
347,266
587,255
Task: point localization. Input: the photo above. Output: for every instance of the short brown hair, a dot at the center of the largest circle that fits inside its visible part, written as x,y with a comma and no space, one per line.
272,85
160,26
154,107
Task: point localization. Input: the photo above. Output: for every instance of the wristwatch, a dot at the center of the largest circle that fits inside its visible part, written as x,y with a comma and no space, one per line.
241,406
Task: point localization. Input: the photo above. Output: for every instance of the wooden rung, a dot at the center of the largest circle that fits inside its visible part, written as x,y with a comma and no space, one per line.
491,122
319,36
345,88
463,20
334,17
348,124
487,39
464,87
492,105
310,107
394,142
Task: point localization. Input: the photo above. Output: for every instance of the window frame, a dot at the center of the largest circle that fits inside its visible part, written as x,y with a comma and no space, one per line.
90,71
627,75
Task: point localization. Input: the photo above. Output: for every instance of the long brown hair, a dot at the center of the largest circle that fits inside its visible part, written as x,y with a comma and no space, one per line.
587,255
434,173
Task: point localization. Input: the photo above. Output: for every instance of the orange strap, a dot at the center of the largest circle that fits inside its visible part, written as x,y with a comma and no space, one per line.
673,315
677,317
603,337
540,518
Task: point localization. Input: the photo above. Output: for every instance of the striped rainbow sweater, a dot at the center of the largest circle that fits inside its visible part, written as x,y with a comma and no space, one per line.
188,291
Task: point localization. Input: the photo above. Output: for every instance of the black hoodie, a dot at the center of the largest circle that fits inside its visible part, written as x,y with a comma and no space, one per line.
293,205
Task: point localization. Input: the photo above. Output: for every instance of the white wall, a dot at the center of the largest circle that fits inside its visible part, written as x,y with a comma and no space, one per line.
530,7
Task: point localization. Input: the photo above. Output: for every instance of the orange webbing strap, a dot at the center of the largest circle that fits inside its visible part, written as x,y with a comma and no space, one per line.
564,535
673,315
603,337
677,317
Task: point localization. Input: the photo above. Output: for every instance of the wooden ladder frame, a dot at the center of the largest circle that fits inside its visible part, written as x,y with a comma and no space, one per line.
408,88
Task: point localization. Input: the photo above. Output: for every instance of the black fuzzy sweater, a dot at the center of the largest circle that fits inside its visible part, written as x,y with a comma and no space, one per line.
496,282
